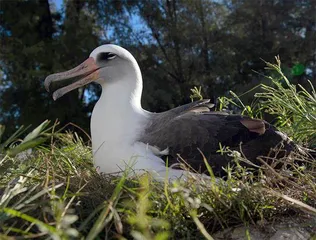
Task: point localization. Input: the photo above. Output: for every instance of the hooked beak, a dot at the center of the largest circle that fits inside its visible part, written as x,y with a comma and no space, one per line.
87,72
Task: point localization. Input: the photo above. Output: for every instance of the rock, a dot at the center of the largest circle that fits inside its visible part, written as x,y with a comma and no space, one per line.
298,228
291,234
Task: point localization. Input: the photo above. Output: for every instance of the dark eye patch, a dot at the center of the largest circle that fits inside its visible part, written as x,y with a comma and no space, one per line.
106,56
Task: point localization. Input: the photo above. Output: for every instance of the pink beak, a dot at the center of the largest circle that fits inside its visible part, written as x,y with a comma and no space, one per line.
87,72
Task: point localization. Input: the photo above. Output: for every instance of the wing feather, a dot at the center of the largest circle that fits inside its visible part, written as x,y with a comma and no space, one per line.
186,129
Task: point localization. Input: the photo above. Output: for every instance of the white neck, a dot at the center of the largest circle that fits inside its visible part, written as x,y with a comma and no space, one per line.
118,115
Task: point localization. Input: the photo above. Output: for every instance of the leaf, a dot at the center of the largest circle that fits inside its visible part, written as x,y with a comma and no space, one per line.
13,137
26,145
33,139
36,132
43,227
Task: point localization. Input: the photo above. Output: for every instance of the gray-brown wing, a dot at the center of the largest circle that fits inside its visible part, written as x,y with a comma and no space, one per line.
196,130
189,128
179,125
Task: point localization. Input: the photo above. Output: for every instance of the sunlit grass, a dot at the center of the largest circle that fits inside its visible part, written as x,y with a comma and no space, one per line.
55,192
294,106
62,196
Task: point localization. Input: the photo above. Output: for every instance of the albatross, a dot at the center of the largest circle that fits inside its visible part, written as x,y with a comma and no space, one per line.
124,135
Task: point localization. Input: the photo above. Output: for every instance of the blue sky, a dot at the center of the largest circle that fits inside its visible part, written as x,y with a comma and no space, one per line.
58,3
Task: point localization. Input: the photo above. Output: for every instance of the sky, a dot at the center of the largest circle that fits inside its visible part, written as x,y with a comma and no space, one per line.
58,3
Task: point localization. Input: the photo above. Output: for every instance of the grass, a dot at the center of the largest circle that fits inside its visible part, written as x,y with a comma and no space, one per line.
56,193
294,106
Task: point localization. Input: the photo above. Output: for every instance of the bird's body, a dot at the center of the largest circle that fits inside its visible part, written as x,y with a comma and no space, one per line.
124,135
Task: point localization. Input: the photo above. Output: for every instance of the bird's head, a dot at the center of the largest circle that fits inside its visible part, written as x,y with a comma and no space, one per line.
106,64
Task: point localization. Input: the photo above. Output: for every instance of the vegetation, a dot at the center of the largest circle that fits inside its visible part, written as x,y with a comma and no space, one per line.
55,192
49,188
294,106
179,44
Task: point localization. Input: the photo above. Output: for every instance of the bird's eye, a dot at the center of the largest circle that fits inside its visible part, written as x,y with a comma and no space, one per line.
106,56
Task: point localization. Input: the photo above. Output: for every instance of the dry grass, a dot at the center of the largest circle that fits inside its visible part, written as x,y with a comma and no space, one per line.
56,193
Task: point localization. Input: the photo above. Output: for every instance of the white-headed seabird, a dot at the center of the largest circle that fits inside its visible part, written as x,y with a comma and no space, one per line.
126,135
